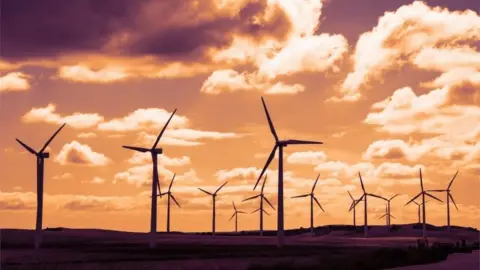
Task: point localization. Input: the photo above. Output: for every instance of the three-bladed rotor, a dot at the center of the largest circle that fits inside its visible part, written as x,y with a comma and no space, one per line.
41,153
215,193
422,191
311,194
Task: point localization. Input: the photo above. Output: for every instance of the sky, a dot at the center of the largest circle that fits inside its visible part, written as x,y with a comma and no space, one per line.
389,87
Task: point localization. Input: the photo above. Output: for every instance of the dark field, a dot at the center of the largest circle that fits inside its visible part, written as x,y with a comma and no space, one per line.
340,247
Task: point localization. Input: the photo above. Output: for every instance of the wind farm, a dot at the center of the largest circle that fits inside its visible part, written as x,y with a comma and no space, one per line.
245,135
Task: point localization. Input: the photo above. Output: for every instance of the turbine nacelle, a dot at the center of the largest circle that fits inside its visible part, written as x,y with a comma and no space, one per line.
157,151
43,155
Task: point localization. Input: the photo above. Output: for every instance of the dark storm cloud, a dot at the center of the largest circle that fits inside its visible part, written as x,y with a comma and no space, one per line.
167,28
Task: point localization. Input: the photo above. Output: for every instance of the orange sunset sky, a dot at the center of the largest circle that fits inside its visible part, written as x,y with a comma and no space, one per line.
388,86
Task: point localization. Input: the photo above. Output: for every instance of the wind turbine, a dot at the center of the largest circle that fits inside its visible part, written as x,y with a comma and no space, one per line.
312,198
388,209
41,156
154,151
418,210
235,214
352,206
364,197
449,196
170,195
280,145
214,195
386,215
423,193
262,198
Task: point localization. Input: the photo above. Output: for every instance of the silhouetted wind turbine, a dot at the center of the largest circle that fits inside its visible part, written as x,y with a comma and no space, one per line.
386,215
364,197
280,145
170,195
352,206
423,193
449,196
388,209
235,214
418,211
312,198
41,156
262,198
214,195
155,182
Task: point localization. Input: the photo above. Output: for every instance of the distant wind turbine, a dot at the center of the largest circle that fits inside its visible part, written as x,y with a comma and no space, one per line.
155,182
353,206
235,214
423,193
280,145
418,210
262,198
214,195
449,197
387,215
388,209
312,198
170,195
364,197
41,156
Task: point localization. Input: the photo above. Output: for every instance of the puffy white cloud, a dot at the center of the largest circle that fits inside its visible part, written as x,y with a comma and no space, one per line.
96,180
309,157
86,135
84,74
63,176
412,34
81,154
48,115
14,81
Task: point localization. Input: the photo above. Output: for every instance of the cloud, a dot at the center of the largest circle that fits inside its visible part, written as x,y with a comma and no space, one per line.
151,118
145,158
17,201
87,135
63,176
411,34
309,157
48,115
84,74
80,154
14,81
96,180
303,51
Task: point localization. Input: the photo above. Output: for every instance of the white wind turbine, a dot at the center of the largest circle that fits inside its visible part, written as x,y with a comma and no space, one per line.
41,156
214,196
154,151
262,198
312,198
280,145
423,193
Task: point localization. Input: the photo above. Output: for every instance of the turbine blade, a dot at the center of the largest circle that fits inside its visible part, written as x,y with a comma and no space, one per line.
221,187
266,212
241,212
318,203
382,216
158,187
263,185
376,196
251,198
270,158
301,196
235,208
29,149
315,184
270,123
232,216
171,182
431,196
421,179
206,192
265,198
436,190
51,138
302,142
350,195
361,182
392,216
139,149
163,130
255,211
394,197
413,199
451,182
451,198
173,198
